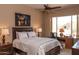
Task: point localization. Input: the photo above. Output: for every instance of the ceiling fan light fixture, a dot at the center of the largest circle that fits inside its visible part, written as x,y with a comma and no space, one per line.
50,8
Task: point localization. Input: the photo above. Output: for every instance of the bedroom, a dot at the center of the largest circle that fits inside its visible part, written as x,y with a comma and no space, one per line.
40,20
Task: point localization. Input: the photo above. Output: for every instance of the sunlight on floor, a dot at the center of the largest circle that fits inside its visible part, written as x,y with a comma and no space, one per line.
66,52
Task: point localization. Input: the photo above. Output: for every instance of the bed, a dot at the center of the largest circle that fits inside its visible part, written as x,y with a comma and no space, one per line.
36,45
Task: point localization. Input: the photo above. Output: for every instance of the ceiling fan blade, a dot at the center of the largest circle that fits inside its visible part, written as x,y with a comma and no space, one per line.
53,8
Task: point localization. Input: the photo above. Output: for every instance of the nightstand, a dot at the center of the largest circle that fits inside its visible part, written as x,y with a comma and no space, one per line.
6,49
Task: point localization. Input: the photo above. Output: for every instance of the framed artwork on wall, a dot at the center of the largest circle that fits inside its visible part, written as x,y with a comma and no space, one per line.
22,19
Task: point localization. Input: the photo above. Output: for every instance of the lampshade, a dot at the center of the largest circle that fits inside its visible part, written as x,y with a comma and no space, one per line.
61,30
5,31
39,30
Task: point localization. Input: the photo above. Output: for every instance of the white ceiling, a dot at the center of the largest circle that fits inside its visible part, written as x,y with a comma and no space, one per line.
41,6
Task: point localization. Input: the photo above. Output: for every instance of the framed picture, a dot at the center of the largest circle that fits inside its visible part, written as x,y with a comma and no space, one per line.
22,19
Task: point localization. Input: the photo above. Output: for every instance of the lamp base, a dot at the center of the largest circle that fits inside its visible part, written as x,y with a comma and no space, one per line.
3,39
38,34
61,34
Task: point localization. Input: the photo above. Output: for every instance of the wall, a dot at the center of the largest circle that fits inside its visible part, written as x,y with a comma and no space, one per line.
38,19
47,16
7,16
46,24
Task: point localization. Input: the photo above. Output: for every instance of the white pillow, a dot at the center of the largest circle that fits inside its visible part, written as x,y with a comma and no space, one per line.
32,34
21,35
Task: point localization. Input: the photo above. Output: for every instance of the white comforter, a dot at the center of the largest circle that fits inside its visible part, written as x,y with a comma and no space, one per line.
36,45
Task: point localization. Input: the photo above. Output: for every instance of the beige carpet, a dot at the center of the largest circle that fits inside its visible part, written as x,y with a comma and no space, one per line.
66,52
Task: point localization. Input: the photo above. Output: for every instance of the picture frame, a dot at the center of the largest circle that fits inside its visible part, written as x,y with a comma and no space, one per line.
22,19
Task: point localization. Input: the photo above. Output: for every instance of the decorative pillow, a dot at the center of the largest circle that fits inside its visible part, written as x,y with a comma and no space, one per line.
32,34
17,35
21,35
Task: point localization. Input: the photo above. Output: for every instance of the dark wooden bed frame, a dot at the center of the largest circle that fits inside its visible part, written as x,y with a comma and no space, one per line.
53,51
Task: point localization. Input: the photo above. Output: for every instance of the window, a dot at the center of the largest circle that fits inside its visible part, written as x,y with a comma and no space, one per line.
74,26
54,26
65,25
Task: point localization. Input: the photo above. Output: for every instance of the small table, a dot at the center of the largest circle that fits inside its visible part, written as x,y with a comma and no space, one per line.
6,49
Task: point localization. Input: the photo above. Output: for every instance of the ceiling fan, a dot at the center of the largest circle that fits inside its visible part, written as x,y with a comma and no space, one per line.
46,6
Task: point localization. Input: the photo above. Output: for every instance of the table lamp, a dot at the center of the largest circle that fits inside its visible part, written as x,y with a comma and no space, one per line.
61,32
5,31
39,30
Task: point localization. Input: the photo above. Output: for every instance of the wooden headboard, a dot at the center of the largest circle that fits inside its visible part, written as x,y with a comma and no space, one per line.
19,29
